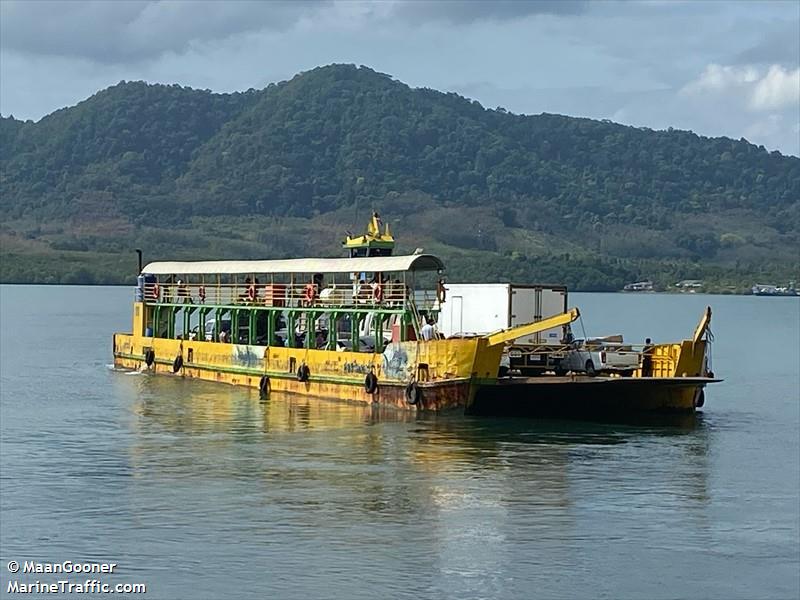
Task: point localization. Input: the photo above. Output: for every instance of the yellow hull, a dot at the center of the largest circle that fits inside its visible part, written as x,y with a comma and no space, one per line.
446,372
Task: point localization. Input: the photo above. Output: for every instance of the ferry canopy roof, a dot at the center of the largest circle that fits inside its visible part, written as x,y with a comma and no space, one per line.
368,264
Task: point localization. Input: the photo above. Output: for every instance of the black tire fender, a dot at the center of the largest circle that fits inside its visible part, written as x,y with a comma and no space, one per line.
371,383
303,373
263,385
413,394
590,369
700,399
149,357
177,364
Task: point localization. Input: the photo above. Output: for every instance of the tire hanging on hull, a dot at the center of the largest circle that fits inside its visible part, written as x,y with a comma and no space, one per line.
263,386
413,394
371,383
303,373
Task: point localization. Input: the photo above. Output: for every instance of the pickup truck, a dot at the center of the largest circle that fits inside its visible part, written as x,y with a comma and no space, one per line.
601,355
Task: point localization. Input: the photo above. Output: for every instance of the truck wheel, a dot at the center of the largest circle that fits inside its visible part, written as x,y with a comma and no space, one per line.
590,369
503,372
626,373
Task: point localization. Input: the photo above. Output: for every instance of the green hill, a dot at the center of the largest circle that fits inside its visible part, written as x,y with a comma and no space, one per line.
285,170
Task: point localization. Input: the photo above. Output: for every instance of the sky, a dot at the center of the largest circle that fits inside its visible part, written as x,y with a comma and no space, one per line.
721,67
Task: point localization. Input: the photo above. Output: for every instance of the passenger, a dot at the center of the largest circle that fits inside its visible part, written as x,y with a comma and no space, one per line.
428,331
320,340
364,292
169,289
394,292
647,358
223,336
183,293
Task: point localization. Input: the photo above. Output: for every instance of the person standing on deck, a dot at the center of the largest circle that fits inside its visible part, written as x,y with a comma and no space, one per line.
647,358
428,332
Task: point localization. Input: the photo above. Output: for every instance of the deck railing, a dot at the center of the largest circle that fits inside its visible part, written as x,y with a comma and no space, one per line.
389,295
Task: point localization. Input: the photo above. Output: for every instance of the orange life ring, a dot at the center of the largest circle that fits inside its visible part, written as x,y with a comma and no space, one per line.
310,292
377,293
251,292
441,292
156,291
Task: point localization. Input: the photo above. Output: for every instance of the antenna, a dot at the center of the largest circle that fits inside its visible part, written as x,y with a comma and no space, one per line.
139,252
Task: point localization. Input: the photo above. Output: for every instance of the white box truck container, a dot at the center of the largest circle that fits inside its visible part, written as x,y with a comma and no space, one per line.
480,308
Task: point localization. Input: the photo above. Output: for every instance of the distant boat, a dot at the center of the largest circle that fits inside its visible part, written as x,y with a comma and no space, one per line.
639,286
773,290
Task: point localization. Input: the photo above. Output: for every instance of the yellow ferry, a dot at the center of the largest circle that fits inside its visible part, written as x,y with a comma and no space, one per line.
356,329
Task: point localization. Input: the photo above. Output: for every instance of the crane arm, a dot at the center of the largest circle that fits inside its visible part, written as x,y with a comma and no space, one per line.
702,326
506,335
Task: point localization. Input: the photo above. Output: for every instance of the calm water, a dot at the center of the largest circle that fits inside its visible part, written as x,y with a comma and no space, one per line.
202,491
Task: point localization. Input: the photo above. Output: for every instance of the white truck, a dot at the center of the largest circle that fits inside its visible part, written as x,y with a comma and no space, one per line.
473,309
601,356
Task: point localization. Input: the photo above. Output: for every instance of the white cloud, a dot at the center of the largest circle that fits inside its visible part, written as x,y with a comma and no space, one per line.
721,78
758,90
779,88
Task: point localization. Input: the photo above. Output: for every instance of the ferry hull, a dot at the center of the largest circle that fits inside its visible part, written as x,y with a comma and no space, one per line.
443,371
591,397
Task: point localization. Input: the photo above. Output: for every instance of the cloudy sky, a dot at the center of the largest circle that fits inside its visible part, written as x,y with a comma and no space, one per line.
718,68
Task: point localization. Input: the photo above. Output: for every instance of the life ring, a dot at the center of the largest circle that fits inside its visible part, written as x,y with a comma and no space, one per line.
202,293
251,292
377,293
149,357
310,292
156,291
303,373
263,385
413,394
177,364
371,383
441,292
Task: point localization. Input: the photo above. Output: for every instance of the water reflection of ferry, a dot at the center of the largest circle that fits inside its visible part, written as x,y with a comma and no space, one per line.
212,423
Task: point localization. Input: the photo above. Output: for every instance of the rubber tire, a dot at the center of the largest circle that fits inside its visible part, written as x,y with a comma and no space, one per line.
700,400
626,373
149,357
413,394
177,364
371,383
263,385
502,372
590,368
303,373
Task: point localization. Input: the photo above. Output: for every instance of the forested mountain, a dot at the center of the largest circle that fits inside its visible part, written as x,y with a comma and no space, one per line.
285,170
